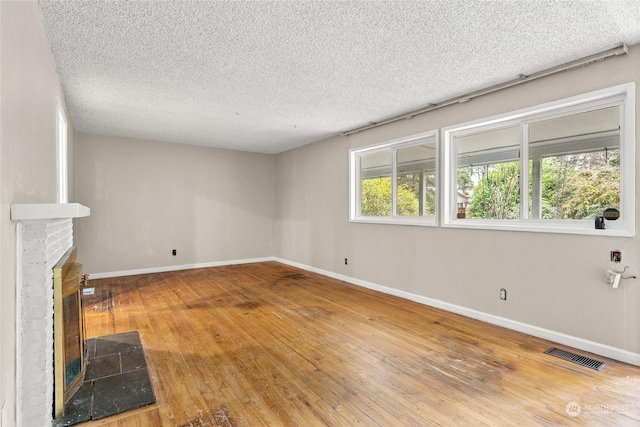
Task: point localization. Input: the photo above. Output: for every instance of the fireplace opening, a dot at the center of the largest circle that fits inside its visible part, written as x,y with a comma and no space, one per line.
72,348
68,330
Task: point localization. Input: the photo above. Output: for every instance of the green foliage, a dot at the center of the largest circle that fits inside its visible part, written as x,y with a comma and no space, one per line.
555,172
408,192
497,193
465,183
430,193
408,204
576,186
376,197
595,190
581,186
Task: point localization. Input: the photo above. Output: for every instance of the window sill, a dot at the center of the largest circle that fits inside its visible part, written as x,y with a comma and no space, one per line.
573,227
419,221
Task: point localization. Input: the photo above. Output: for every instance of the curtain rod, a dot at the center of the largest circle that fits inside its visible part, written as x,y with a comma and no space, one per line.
579,63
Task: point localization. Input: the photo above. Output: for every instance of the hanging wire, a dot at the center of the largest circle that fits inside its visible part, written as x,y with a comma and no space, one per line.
628,277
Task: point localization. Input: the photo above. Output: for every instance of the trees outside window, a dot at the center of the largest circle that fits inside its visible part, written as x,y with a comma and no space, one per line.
577,186
553,168
550,168
395,182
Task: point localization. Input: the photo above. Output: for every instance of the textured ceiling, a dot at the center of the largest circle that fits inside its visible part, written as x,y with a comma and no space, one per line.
267,76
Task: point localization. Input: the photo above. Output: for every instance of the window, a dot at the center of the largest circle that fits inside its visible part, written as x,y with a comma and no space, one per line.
555,167
395,182
61,143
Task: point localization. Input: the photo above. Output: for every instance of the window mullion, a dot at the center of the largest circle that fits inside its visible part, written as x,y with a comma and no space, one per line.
423,191
524,171
394,182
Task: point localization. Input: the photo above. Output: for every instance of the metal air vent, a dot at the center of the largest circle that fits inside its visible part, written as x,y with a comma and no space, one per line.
576,358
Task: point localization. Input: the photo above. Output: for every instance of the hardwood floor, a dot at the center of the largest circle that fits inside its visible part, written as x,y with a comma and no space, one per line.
268,344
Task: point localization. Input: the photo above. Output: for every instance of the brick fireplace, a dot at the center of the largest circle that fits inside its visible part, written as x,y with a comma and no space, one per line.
44,234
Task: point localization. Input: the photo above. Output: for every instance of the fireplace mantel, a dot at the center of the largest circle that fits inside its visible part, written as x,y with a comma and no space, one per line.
24,212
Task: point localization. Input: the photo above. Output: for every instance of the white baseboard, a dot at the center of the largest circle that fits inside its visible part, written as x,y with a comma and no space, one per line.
558,337
176,268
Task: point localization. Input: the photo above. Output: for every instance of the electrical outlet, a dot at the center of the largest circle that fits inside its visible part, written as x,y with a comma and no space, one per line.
503,294
174,252
346,261
616,256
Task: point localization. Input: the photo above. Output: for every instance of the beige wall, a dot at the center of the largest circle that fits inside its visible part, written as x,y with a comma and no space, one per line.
553,281
29,89
147,198
216,205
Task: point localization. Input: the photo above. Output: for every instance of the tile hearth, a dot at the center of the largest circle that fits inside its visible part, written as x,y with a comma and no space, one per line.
116,381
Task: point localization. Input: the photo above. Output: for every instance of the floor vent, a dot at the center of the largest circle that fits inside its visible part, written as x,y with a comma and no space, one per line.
576,358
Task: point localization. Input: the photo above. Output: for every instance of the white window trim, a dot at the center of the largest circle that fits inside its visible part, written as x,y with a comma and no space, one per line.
354,180
625,226
62,154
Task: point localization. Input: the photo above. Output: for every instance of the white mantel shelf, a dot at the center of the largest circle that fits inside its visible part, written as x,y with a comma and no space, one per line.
48,211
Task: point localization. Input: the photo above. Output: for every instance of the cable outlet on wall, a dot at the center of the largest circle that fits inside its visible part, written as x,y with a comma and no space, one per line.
612,278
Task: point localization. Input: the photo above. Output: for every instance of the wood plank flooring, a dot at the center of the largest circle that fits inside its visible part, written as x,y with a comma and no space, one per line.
272,345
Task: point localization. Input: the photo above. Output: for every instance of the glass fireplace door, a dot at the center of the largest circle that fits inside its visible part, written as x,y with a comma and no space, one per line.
68,330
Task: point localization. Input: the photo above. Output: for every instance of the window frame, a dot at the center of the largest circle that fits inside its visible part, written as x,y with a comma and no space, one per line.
62,168
431,137
622,95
